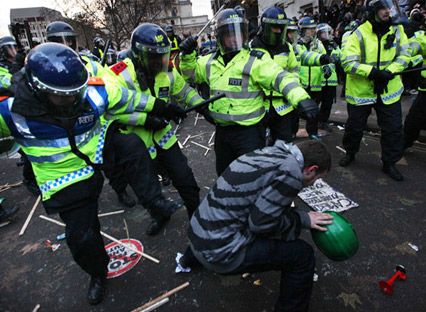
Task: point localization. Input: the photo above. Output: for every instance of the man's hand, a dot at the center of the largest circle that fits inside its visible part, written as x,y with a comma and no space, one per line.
155,123
308,109
188,45
318,219
206,113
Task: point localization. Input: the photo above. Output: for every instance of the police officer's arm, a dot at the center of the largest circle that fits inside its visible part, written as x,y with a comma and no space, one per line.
402,59
351,58
182,91
5,78
292,63
4,129
193,69
308,58
417,47
272,77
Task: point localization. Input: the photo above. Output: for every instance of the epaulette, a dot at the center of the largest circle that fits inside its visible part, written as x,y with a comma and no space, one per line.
96,81
118,67
257,53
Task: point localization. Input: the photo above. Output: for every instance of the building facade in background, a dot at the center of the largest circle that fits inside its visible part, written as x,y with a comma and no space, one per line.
28,25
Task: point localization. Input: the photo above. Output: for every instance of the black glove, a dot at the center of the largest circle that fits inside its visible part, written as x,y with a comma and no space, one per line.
327,71
155,123
325,59
206,113
308,109
168,111
381,79
189,45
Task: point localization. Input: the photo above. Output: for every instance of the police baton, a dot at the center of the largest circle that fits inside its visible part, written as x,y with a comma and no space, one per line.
413,70
224,5
104,57
208,101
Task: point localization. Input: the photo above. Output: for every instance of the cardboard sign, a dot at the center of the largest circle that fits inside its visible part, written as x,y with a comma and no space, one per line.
122,259
322,197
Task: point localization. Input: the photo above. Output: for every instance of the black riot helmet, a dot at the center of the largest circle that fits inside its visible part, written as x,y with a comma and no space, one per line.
231,31
58,78
62,32
394,14
150,49
274,24
8,48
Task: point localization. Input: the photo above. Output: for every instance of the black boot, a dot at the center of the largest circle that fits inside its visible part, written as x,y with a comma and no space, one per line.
125,199
96,291
391,171
157,224
6,213
346,160
163,207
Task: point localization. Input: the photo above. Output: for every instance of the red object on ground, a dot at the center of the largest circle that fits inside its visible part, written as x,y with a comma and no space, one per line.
387,286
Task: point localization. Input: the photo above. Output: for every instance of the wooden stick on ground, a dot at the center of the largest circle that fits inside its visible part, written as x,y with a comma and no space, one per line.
24,227
200,145
110,213
7,186
110,238
186,140
36,308
211,138
156,305
159,298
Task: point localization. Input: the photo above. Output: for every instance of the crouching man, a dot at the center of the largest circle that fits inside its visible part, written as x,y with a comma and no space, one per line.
246,222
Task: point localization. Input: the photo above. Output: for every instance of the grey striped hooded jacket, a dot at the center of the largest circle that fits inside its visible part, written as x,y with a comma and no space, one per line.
251,198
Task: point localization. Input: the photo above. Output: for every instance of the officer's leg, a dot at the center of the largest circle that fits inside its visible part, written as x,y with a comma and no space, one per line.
355,125
327,98
312,124
246,139
176,164
281,126
223,149
118,182
128,151
389,118
415,120
85,242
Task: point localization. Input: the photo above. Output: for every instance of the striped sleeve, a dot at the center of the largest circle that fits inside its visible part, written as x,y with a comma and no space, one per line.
353,55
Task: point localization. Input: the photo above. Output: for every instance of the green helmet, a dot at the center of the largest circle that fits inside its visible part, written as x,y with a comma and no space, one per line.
340,241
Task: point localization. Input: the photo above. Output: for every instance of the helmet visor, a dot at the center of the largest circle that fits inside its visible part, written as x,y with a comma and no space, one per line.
11,50
66,38
233,36
275,34
153,59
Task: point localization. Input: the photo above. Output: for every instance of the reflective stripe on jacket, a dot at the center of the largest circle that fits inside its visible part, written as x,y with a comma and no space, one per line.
360,55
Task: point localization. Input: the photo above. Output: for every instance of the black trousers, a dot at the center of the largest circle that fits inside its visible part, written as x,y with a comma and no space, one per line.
234,141
312,124
176,165
84,240
389,118
282,126
328,94
415,120
124,152
127,161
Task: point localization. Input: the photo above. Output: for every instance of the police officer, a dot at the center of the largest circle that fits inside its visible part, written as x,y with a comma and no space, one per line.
111,57
242,74
64,33
311,73
8,52
329,79
55,117
98,49
415,121
175,41
372,54
146,70
271,39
